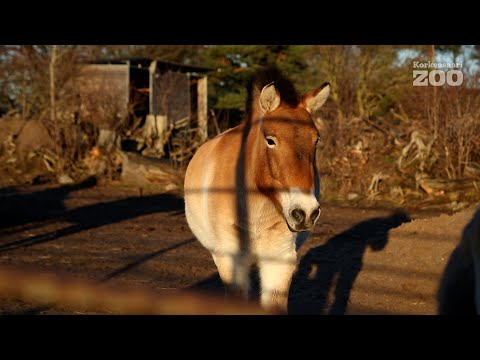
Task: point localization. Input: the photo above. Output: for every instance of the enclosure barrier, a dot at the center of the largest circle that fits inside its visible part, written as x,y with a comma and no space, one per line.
82,295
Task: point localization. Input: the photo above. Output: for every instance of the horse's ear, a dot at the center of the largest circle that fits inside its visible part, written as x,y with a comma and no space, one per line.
269,98
314,99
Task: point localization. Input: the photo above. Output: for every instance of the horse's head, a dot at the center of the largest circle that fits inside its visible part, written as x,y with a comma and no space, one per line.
285,146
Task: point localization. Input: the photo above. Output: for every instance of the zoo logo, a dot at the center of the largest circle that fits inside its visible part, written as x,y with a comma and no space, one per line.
437,77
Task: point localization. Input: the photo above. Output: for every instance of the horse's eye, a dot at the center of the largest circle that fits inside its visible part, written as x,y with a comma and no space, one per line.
271,141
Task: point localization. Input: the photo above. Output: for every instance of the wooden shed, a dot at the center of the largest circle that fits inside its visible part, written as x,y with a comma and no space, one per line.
151,91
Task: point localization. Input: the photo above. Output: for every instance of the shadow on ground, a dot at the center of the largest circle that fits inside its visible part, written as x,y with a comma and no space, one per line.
332,267
213,284
20,210
328,272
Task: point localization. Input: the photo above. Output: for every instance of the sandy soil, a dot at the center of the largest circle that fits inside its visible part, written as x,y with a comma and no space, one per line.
357,261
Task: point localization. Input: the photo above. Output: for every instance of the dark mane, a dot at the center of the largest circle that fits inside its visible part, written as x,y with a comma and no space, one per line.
266,76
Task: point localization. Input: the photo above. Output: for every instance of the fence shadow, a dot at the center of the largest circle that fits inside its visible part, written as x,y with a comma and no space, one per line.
143,259
334,266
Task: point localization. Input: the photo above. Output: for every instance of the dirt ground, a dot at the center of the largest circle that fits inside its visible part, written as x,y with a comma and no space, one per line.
357,260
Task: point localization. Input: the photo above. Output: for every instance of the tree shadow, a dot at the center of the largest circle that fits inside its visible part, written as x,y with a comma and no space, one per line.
18,209
35,310
85,217
335,266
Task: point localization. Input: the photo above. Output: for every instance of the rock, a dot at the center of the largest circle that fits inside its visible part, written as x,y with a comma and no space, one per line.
140,170
33,137
352,196
397,191
65,179
171,187
107,139
458,206
453,196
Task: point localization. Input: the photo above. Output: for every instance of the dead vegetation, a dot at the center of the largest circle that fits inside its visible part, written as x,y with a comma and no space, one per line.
381,138
431,154
80,122
386,140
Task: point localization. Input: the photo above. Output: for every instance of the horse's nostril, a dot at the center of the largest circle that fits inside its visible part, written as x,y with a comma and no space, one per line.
298,215
314,214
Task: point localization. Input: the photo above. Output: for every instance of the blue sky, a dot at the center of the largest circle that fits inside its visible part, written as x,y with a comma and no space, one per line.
469,65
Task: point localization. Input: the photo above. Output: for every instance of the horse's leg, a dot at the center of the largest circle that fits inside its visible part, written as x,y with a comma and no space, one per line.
275,278
234,271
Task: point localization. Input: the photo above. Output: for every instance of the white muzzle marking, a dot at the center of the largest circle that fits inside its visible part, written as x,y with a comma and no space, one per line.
301,210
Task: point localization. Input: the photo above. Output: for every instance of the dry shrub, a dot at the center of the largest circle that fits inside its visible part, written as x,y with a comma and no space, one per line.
350,153
87,105
458,131
447,120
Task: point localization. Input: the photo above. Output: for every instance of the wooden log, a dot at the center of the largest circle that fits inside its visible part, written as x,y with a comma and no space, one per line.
73,294
141,170
433,185
202,106
154,135
107,139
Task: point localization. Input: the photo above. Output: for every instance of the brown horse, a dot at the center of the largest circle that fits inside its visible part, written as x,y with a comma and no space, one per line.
252,192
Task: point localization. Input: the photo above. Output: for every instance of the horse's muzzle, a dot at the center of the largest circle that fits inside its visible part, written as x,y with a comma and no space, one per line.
300,220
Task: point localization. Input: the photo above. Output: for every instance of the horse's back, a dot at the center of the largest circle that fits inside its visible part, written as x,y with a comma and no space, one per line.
209,176
203,168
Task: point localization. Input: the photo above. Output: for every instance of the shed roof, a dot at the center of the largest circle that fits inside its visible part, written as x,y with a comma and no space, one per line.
139,62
